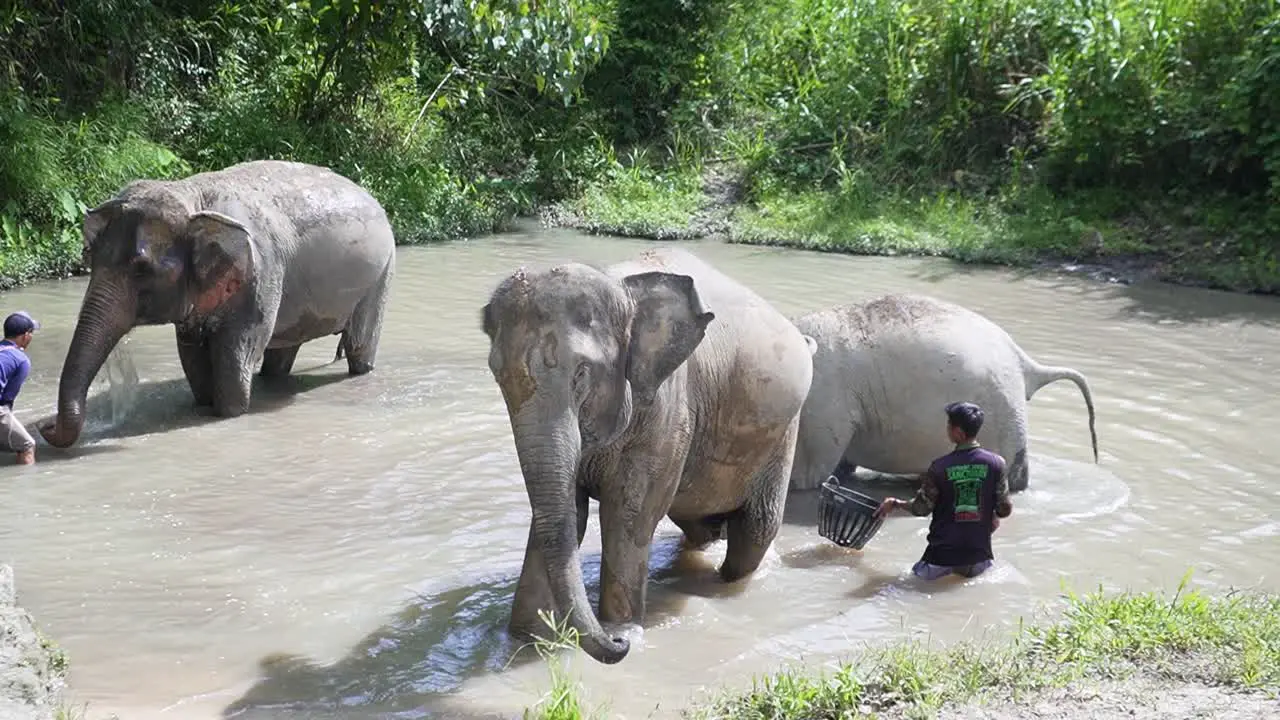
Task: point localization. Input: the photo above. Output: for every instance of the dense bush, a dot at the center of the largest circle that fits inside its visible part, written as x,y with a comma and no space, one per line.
459,114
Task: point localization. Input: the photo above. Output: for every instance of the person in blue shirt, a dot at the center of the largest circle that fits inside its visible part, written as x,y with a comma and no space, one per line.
14,368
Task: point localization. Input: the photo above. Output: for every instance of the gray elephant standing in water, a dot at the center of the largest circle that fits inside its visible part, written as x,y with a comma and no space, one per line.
885,369
247,263
658,387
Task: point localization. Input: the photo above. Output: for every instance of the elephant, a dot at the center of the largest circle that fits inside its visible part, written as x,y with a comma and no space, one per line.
656,386
247,263
885,369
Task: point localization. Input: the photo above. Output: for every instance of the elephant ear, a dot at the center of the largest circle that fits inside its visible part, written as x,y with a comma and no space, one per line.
95,222
669,323
221,258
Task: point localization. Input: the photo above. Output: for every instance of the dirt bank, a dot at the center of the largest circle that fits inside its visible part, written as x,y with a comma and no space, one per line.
1136,698
32,670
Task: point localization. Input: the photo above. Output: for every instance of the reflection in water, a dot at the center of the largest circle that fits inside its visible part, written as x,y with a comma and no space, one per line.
349,547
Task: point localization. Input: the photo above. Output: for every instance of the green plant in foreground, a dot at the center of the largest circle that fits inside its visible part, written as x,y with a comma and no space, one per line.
1233,640
563,701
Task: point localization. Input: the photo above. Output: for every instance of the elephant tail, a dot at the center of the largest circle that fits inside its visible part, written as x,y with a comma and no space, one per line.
1041,375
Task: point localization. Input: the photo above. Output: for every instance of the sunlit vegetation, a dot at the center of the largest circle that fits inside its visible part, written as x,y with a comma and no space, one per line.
985,130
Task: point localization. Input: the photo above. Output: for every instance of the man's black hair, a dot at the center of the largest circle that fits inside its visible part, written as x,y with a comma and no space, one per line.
966,416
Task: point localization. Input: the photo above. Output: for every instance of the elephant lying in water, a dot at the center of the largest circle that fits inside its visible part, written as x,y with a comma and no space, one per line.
658,387
247,263
884,370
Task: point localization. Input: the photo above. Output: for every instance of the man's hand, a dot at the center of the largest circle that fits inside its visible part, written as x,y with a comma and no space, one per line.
995,523
890,503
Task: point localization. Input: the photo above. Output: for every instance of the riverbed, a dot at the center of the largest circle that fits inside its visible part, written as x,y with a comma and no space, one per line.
349,548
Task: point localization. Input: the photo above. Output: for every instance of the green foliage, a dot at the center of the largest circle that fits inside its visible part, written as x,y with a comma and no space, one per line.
986,129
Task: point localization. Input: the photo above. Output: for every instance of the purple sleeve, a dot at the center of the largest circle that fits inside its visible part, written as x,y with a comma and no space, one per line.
14,384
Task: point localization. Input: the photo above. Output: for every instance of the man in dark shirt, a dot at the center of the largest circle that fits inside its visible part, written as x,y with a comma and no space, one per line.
14,368
967,493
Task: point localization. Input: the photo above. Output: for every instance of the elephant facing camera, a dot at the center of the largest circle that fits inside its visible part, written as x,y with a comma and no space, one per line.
659,387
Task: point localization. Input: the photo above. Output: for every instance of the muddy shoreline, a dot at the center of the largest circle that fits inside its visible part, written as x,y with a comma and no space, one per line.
1140,697
32,669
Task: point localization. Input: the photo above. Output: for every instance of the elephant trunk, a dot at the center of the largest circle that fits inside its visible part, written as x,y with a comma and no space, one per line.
548,455
105,316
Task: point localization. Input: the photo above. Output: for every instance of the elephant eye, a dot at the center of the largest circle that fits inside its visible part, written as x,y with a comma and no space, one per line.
582,373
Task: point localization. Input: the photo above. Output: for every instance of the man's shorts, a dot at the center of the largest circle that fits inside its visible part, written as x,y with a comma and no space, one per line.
13,435
929,571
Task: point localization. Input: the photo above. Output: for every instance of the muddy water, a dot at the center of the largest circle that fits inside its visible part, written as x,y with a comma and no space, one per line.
349,549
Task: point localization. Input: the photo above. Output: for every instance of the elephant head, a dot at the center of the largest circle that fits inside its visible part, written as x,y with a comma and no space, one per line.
153,259
576,352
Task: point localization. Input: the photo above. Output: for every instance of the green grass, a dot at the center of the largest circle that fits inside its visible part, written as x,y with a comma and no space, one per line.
1231,639
1011,230
638,200
563,700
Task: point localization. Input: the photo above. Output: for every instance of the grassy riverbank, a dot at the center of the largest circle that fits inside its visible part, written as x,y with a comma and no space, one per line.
1100,231
1144,133
1102,648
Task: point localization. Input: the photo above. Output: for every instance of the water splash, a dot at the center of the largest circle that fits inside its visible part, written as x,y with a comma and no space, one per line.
122,381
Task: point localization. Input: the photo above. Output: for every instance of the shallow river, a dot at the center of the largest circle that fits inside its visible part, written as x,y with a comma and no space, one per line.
349,549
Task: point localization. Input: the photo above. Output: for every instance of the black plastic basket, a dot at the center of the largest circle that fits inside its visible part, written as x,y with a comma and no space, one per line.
846,517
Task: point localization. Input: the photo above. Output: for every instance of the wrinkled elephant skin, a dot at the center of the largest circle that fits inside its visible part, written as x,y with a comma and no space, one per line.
659,387
247,263
885,369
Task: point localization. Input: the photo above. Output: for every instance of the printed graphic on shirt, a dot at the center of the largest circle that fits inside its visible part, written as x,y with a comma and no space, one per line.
967,482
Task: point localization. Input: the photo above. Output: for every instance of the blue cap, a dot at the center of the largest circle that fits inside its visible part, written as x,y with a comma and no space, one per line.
19,323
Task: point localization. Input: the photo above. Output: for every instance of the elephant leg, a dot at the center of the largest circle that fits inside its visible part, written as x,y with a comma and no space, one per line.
753,527
279,361
629,515
533,593
234,354
1019,472
584,513
823,442
1012,440
845,470
364,330
197,365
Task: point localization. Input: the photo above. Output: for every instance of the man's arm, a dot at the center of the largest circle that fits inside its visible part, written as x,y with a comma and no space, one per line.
920,505
926,497
14,383
1004,506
